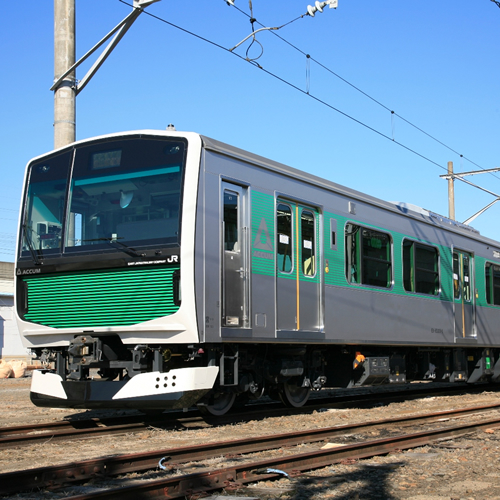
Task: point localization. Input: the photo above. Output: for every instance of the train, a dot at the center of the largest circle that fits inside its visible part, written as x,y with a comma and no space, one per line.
160,270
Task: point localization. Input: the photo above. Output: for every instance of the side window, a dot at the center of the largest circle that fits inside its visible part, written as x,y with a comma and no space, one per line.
368,256
420,268
492,284
284,230
308,243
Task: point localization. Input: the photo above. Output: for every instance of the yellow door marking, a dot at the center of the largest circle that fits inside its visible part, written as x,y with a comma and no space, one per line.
297,260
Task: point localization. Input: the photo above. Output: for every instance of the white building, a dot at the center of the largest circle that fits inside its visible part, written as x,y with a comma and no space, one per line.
10,340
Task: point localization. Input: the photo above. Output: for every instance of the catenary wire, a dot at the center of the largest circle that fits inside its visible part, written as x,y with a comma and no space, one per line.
393,113
215,44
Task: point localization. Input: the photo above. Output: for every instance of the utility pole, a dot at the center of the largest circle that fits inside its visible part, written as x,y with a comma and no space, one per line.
65,86
64,58
451,192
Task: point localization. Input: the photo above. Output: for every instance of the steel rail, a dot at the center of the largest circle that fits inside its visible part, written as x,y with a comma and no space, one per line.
293,465
87,423
65,434
69,433
77,472
67,428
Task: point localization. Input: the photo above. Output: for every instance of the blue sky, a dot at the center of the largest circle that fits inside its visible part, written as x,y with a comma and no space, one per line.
436,64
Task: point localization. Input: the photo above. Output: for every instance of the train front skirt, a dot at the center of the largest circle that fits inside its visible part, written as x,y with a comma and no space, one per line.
174,389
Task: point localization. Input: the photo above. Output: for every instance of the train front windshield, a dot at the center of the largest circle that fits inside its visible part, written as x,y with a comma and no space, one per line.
103,197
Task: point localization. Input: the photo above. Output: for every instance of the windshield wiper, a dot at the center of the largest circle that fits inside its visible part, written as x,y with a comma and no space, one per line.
33,252
121,246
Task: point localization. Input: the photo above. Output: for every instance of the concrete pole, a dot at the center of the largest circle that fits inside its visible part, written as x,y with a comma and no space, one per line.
64,58
451,192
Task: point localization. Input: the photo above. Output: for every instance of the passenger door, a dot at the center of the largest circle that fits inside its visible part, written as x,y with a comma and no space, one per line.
235,272
463,294
298,283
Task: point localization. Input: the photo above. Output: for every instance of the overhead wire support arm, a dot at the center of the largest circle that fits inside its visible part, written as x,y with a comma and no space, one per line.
476,186
250,35
472,172
311,10
477,214
120,29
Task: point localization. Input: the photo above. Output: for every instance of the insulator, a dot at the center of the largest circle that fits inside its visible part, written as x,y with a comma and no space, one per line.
311,10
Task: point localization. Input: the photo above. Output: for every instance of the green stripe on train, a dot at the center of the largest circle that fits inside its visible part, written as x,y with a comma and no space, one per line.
263,253
117,297
262,234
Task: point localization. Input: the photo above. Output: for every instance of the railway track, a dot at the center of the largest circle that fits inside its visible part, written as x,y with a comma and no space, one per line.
172,459
76,429
97,427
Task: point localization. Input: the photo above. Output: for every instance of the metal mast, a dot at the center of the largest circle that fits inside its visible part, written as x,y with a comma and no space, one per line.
65,86
64,58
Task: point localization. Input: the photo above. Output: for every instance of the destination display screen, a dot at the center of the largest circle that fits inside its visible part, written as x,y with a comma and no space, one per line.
106,159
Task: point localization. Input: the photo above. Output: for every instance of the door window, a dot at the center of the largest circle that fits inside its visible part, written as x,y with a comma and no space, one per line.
461,276
308,243
285,247
456,276
231,233
466,273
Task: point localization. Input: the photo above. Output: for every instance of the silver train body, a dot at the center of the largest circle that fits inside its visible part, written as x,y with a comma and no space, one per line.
164,269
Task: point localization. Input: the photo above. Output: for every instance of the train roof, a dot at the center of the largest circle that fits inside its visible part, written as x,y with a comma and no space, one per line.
407,209
399,207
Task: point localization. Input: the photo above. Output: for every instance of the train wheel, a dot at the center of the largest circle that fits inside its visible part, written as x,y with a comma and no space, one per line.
294,395
220,404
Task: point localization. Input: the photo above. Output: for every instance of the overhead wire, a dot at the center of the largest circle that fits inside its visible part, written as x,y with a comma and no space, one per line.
321,101
393,113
